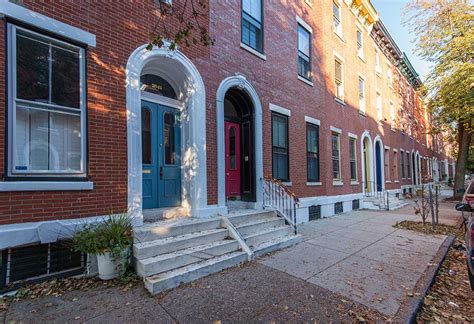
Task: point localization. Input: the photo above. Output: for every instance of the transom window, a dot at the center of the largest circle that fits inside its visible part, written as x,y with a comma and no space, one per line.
280,156
336,156
46,89
312,151
336,18
252,24
304,52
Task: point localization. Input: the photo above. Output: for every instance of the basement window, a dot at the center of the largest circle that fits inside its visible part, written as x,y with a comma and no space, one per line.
338,208
39,262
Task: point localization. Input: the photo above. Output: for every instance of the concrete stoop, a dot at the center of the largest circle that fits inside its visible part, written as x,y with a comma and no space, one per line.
169,253
377,204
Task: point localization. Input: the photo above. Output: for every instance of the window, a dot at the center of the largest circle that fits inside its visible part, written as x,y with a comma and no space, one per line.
353,158
395,165
280,147
312,151
304,52
379,106
392,114
360,44
252,24
408,165
361,95
377,61
47,90
387,164
336,17
336,156
339,79
402,161
389,78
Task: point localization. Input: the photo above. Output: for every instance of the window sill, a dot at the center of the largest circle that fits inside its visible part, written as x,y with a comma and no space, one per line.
378,73
340,101
308,82
354,183
253,51
45,185
287,183
362,113
396,181
309,3
312,184
361,58
388,181
337,183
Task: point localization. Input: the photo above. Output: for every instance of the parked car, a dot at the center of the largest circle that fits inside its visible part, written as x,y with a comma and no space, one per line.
467,207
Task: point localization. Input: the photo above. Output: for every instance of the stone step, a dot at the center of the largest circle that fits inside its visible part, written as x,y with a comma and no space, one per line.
277,244
153,248
166,262
160,230
267,235
246,229
250,216
174,278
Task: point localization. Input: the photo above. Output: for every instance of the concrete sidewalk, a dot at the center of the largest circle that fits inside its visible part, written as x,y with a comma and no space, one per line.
350,266
360,255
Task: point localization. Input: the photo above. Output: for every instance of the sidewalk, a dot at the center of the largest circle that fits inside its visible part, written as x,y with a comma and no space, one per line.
350,266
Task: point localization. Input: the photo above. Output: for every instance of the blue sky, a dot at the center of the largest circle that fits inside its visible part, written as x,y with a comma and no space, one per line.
391,12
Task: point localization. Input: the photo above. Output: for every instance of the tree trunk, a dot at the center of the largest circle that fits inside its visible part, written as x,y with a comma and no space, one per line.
464,141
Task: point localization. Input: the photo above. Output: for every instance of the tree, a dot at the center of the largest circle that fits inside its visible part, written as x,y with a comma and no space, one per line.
190,16
444,32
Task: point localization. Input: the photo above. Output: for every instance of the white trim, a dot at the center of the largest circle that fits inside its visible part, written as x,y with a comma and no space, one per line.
162,100
335,129
288,183
303,24
45,185
386,147
314,184
382,161
240,82
339,56
312,120
308,82
395,150
51,25
280,110
253,51
354,182
337,183
194,178
352,135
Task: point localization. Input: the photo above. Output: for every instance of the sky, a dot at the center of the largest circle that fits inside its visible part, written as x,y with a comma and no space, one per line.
391,12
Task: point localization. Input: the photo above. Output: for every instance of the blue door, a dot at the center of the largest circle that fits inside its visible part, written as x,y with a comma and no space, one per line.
378,165
161,158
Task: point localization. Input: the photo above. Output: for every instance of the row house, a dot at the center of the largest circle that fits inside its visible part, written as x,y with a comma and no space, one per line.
311,102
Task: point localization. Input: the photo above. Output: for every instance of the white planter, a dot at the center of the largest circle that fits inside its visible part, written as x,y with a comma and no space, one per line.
108,267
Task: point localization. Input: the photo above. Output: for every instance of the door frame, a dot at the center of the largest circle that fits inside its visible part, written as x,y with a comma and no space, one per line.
173,104
378,140
240,82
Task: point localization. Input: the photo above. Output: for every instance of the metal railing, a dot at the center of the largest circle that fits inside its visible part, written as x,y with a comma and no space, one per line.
372,189
280,198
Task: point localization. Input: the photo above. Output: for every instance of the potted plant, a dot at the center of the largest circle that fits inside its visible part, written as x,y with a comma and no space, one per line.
110,240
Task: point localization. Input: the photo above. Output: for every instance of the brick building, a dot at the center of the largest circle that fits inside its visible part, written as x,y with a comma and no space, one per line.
318,96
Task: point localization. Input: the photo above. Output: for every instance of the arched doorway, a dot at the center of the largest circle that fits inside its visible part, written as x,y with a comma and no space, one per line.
170,90
367,163
378,166
239,114
239,144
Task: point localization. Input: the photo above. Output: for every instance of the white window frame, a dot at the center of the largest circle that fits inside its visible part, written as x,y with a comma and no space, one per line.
363,100
337,30
12,103
354,138
360,51
340,60
379,105
338,135
386,159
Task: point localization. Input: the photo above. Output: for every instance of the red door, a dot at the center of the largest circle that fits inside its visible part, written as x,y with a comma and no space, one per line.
232,159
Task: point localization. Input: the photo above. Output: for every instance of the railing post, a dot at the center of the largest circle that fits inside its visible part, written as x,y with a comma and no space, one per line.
388,202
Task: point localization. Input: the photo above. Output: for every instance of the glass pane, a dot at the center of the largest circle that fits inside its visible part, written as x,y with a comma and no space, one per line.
335,169
47,141
352,153
146,137
353,171
280,166
335,11
313,168
157,85
338,70
32,71
279,131
253,8
232,149
65,78
303,40
169,138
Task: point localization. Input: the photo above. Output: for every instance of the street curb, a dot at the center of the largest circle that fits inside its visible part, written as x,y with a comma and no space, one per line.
410,308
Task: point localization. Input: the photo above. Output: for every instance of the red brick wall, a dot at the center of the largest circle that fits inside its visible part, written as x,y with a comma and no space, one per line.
120,27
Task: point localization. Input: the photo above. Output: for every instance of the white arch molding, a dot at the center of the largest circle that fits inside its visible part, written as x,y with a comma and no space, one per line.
194,176
365,135
242,83
382,161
